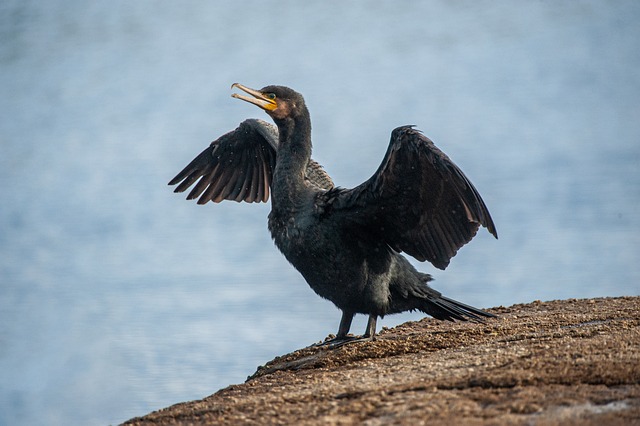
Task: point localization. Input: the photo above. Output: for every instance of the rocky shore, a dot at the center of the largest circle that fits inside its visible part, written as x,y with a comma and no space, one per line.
547,363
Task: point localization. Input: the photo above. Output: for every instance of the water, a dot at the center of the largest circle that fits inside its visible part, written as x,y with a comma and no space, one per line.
117,297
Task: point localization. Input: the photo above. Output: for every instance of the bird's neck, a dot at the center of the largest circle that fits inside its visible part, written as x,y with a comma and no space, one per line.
294,152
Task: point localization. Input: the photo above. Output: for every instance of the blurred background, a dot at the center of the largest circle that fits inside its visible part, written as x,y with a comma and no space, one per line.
118,297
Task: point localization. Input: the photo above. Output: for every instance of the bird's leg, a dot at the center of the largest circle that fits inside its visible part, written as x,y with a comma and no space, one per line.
342,338
343,331
371,327
345,325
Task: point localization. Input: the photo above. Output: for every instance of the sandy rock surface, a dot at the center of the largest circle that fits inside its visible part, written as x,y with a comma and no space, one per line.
547,363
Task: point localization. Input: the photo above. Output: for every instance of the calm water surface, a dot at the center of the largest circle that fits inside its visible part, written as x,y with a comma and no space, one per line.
117,297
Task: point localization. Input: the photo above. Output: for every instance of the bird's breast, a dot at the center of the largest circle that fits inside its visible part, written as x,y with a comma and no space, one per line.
286,232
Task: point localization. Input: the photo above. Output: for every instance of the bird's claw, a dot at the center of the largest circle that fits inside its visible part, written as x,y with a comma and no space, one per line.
337,342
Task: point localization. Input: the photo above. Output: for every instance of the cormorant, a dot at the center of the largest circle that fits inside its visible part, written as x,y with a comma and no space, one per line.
347,242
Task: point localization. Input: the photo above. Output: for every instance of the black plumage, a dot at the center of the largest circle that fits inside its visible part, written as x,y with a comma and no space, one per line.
347,242
239,165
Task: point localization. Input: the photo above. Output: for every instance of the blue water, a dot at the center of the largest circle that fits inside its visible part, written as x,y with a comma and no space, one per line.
117,297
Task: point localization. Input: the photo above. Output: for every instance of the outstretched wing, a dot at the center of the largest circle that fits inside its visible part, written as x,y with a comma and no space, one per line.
418,201
239,166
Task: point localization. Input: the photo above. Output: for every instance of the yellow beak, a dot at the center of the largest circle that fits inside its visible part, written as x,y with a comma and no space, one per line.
258,98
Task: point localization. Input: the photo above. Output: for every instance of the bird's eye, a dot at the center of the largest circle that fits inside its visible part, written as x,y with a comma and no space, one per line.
271,96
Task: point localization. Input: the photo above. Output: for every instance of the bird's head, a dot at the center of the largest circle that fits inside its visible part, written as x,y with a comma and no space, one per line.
279,102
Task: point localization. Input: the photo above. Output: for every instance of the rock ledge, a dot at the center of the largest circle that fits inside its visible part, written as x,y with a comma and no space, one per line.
560,362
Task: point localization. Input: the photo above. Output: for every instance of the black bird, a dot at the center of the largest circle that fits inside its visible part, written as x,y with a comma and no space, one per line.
347,242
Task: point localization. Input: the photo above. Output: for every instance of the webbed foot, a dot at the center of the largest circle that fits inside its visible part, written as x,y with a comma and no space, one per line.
337,342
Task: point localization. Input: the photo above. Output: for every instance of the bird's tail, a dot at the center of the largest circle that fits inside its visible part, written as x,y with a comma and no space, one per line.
443,308
448,309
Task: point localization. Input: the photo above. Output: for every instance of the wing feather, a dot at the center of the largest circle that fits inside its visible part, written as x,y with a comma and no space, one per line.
208,176
244,192
228,168
234,190
418,201
239,166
